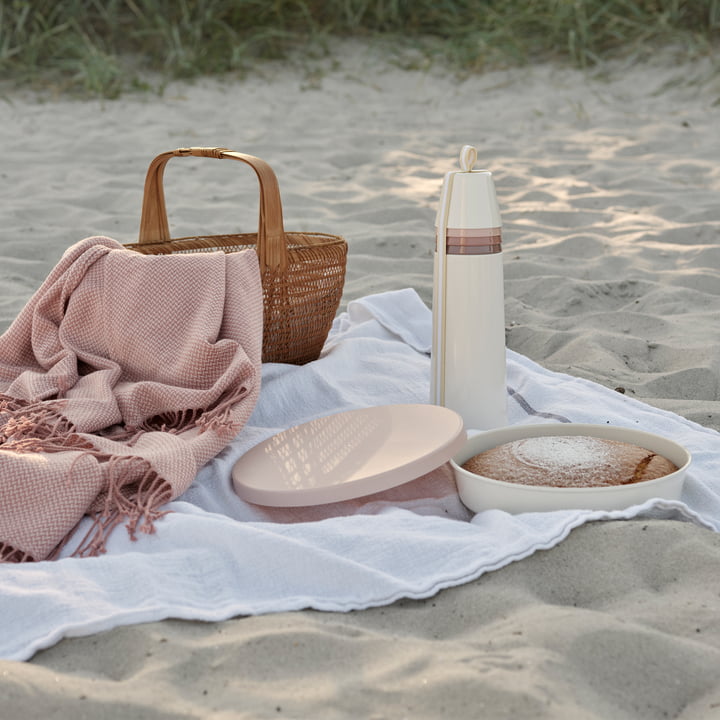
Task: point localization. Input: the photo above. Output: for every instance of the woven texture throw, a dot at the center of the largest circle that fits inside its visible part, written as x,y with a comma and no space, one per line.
120,378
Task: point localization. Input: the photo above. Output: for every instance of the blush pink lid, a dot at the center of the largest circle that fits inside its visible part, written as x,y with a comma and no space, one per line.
348,455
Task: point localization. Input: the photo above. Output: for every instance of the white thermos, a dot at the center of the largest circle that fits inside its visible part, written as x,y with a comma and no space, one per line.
468,350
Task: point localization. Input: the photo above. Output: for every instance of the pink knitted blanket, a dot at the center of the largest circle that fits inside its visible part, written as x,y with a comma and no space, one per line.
120,378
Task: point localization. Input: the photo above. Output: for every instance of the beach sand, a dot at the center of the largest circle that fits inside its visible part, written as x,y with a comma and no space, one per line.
609,186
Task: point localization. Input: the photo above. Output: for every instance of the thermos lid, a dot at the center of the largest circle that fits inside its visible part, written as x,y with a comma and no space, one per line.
348,455
472,201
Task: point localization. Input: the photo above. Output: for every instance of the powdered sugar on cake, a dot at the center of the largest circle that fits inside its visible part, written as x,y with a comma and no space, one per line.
573,460
561,452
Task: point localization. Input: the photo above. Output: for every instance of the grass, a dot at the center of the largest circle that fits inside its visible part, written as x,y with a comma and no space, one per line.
103,47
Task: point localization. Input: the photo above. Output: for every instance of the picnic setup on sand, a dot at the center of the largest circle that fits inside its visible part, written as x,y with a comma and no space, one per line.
179,414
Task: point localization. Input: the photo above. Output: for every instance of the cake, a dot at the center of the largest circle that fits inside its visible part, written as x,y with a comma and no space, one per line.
569,461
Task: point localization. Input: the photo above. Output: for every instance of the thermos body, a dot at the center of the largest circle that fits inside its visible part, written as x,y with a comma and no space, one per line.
475,340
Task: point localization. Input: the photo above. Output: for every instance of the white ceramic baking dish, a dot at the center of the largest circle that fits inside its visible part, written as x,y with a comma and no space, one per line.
479,493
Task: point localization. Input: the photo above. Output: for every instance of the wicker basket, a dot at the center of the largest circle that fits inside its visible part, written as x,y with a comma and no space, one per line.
302,273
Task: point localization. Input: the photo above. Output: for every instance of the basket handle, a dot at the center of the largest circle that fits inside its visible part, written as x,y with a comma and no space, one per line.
271,243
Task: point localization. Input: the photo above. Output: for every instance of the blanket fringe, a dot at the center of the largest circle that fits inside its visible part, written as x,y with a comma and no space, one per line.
134,490
32,427
134,502
36,426
218,417
127,500
173,422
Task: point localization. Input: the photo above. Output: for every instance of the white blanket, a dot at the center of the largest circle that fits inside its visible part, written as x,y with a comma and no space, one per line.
216,556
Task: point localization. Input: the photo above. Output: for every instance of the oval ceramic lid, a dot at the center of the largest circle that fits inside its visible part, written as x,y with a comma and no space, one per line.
348,455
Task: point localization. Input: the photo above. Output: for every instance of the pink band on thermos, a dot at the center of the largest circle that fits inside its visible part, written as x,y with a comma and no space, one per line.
475,241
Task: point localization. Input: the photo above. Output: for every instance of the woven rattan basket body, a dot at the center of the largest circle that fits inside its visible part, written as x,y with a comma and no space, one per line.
302,273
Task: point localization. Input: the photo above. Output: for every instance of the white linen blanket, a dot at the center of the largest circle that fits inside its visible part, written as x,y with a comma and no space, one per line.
216,556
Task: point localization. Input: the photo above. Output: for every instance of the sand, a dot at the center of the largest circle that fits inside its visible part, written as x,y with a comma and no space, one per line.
609,186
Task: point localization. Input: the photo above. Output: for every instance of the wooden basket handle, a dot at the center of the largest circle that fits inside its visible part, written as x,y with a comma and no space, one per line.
271,243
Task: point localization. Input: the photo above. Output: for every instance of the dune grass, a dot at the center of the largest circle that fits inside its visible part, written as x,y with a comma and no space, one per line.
102,47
